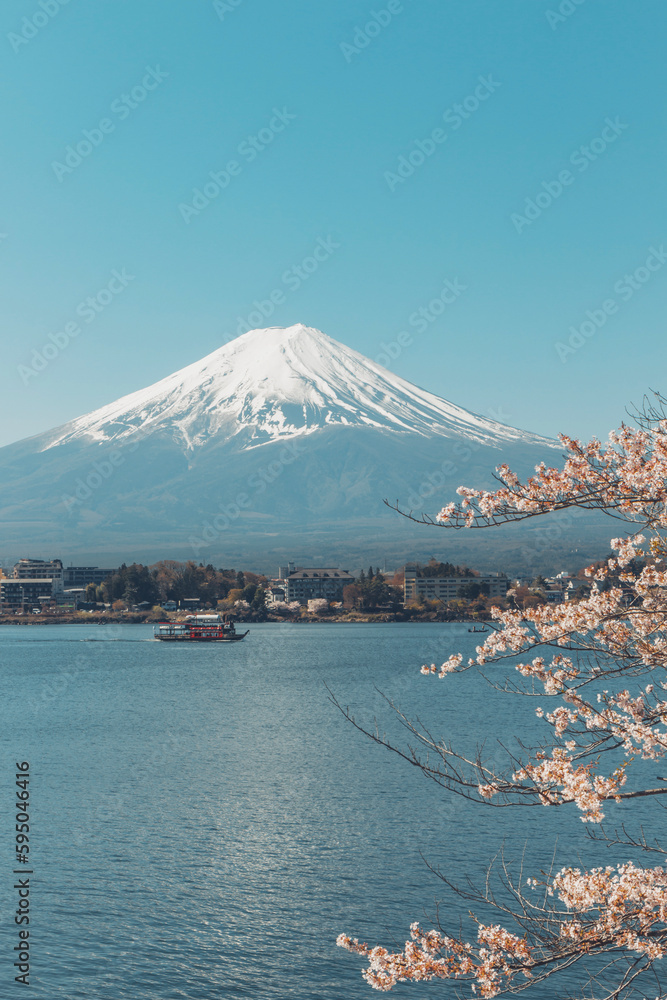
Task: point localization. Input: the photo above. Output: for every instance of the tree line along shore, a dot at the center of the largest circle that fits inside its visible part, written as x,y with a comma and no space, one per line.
137,594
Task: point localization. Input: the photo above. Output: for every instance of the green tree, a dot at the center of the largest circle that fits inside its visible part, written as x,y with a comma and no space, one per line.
434,568
374,593
471,591
258,603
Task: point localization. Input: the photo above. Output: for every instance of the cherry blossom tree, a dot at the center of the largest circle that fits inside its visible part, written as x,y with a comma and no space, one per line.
599,662
318,606
284,608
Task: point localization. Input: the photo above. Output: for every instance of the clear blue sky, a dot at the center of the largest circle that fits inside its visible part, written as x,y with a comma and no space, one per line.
361,99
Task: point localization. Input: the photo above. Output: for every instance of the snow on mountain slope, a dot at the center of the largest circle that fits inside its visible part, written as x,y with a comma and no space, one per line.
280,445
275,384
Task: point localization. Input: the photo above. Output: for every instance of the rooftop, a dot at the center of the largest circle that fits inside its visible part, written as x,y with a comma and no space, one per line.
318,573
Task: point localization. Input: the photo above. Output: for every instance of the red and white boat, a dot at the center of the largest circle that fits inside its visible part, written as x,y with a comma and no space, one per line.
199,628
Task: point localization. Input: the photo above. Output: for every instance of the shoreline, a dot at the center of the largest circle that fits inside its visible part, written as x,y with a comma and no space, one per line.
138,619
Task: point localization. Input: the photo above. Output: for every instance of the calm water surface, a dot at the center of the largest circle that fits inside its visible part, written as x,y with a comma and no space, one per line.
204,822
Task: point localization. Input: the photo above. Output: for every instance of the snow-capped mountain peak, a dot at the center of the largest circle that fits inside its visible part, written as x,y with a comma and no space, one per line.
281,444
278,383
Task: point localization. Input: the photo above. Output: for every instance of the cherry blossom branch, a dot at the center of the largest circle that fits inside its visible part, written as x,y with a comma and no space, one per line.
617,632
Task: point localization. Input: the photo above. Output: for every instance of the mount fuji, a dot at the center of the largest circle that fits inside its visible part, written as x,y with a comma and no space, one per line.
281,444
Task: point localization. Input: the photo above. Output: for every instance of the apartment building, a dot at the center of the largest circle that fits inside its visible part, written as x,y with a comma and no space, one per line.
308,583
24,594
40,569
81,576
446,588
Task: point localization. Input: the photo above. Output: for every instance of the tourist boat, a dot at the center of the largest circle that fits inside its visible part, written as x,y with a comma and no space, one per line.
198,628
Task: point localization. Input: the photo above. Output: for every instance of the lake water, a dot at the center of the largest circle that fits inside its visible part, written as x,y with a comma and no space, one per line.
204,822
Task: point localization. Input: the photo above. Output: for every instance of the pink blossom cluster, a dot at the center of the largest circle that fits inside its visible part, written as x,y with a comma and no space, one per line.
618,476
448,667
559,780
622,907
499,956
618,631
283,606
629,906
614,624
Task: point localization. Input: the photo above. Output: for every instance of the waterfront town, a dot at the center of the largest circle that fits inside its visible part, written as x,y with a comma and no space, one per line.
436,590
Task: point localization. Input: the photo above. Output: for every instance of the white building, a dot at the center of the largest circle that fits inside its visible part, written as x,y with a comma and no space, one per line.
275,595
40,569
446,588
81,576
311,582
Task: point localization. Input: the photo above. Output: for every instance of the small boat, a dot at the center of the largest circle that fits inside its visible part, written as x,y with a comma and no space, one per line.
198,628
481,630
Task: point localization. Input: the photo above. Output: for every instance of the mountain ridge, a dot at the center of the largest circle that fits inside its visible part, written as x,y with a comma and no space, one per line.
281,382
280,443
